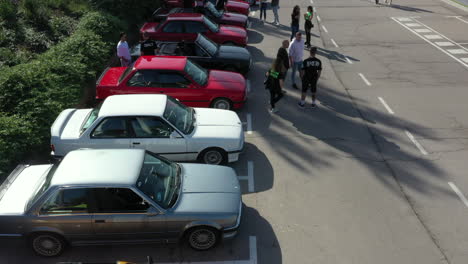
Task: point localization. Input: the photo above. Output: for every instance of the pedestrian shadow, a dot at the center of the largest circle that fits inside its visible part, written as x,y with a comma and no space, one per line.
408,8
334,55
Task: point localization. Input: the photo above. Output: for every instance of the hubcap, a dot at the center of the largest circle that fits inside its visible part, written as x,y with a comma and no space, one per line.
213,157
202,239
222,104
47,245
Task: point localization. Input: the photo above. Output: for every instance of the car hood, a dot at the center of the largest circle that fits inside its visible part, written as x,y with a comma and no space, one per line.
208,189
234,53
216,117
232,31
111,76
234,18
18,192
223,80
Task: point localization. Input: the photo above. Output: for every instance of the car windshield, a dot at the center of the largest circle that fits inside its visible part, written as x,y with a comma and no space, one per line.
43,185
89,120
211,25
126,72
197,73
160,180
207,44
212,9
179,115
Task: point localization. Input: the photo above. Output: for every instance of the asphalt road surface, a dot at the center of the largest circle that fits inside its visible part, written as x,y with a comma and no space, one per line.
376,174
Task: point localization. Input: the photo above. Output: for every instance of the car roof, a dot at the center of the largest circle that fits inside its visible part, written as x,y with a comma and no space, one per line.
175,63
134,105
185,16
99,166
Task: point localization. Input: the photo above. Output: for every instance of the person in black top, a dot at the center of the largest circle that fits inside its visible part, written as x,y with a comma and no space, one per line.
310,73
296,14
147,46
283,56
275,84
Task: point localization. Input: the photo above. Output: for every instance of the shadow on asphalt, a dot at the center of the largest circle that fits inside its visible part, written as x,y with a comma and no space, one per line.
334,55
408,8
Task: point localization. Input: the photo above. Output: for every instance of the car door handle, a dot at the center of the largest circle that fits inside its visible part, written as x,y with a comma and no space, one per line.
136,143
99,221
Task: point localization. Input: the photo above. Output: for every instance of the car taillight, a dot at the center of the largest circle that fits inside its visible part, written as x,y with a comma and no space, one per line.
52,147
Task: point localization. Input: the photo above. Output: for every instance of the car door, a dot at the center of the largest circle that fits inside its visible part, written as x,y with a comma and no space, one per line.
110,132
173,31
193,28
143,82
175,84
67,210
154,134
121,214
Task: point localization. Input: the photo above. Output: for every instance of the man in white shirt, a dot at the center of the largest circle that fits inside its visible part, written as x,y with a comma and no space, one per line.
123,52
296,53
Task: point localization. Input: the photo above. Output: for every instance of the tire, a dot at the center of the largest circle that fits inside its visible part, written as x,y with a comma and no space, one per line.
213,156
222,103
47,244
202,238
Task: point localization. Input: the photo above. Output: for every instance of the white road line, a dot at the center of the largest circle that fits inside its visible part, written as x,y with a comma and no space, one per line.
249,124
250,174
415,142
453,57
324,29
386,106
334,43
433,37
457,51
463,43
444,44
348,60
422,30
441,35
462,20
464,59
318,18
404,19
365,79
459,193
413,24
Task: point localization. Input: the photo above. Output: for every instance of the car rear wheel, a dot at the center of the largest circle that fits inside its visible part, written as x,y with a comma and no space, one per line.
203,238
222,103
213,156
47,244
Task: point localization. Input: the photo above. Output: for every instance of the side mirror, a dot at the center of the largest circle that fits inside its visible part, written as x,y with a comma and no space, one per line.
175,134
152,211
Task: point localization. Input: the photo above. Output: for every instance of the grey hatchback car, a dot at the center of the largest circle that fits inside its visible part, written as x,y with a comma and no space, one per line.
119,196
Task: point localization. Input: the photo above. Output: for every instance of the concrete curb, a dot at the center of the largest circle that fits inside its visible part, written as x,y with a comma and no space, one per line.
456,4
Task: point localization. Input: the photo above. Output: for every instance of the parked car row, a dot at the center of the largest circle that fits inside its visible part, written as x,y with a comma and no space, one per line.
117,178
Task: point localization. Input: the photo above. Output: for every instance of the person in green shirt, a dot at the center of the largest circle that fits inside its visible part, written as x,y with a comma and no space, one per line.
308,24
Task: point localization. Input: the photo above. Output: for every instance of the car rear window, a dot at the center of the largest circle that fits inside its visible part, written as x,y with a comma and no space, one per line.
126,72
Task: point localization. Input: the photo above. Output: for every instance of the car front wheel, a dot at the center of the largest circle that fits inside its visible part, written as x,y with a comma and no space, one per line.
47,245
203,238
213,156
222,103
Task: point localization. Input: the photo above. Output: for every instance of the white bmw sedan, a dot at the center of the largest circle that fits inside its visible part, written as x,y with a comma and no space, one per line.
157,123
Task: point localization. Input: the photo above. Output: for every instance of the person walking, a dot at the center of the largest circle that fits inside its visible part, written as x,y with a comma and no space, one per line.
263,8
275,84
123,52
147,46
308,25
310,73
283,56
274,8
295,15
296,53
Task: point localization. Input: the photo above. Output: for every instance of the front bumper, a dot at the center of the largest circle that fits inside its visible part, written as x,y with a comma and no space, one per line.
231,232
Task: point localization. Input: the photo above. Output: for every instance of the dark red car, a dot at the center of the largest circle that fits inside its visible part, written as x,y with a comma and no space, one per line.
187,26
178,77
236,6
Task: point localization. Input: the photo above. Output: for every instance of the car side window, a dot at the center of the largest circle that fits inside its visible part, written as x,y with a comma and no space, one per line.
172,80
199,52
144,78
118,200
67,201
113,127
150,127
195,27
174,27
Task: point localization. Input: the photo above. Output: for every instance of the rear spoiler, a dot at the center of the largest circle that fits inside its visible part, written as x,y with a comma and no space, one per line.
11,178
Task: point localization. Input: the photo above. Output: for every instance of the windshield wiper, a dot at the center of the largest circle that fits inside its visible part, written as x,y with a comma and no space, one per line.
176,187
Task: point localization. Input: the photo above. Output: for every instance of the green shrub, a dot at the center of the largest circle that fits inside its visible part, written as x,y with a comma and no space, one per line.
61,27
102,24
8,12
36,12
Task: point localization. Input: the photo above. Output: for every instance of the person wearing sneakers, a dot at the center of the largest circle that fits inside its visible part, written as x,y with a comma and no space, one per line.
310,73
308,24
275,83
296,52
274,7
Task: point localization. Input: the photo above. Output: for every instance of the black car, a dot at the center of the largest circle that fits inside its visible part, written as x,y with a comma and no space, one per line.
209,10
207,54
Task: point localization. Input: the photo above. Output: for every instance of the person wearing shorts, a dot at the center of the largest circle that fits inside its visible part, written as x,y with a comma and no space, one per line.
310,73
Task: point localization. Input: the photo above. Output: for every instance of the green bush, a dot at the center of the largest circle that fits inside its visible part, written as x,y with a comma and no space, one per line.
61,27
36,12
7,11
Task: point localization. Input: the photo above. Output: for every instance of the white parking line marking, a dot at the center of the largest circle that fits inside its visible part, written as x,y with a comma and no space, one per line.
459,193
318,18
412,24
386,106
250,177
457,51
462,20
415,142
464,59
444,44
334,43
422,30
348,60
404,19
249,124
441,35
432,36
253,249
365,79
324,29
